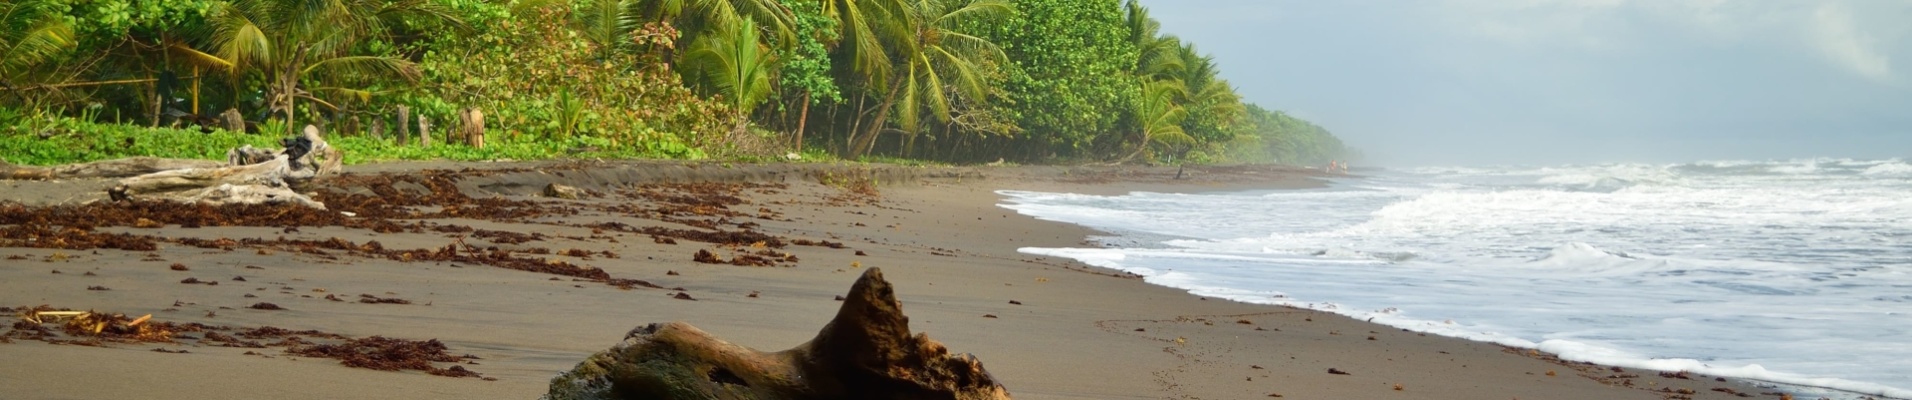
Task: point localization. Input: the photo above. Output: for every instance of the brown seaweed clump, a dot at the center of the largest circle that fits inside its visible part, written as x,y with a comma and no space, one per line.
388,354
866,352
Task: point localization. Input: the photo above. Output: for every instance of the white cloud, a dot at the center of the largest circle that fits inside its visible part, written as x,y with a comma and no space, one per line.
1835,33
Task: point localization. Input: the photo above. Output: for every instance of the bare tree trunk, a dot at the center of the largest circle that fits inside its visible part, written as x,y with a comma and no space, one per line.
868,140
801,121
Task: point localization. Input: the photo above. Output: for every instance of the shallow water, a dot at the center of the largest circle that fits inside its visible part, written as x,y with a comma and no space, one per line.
1796,272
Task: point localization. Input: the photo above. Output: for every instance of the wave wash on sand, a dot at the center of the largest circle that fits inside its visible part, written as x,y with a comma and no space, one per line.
1790,272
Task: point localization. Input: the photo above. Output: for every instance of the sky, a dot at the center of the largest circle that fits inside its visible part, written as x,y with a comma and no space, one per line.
1487,82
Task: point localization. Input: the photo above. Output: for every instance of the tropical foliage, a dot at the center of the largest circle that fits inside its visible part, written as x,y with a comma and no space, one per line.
941,80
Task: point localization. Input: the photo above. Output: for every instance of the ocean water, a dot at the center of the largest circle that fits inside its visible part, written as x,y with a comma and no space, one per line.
1796,272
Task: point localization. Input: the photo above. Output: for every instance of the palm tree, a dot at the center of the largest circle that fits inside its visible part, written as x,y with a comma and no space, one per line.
696,17
297,45
1159,119
30,33
934,60
1161,57
862,24
1211,102
731,61
607,23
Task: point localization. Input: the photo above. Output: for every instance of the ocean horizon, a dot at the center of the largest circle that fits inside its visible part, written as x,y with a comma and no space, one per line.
1793,272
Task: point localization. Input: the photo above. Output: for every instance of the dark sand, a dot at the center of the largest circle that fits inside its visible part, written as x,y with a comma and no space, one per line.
1078,332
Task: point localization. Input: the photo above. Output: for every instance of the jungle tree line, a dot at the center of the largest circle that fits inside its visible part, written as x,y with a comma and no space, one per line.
949,80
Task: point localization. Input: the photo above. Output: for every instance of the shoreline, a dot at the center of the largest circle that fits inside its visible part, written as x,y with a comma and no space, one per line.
1079,331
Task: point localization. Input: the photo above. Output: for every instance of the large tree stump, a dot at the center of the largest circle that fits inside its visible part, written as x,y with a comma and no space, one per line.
233,120
866,352
471,127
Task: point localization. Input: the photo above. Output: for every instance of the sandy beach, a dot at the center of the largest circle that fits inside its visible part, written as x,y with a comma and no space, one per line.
518,287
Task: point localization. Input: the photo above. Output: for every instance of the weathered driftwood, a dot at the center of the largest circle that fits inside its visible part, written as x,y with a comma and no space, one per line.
250,176
271,173
867,352
563,192
119,168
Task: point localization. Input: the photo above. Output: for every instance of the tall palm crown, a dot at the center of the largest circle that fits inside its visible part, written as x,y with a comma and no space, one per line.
931,58
297,45
730,61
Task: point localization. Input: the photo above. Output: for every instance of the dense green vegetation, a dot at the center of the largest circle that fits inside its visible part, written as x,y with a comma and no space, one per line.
938,80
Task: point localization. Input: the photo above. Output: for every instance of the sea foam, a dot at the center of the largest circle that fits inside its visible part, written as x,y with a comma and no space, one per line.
1763,270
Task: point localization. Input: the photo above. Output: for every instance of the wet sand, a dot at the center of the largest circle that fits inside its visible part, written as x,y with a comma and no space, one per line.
491,269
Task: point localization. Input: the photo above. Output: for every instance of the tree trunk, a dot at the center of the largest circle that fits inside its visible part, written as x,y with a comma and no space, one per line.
868,140
286,87
802,120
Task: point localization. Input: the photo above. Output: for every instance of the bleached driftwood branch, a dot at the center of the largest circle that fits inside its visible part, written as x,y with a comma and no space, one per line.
250,176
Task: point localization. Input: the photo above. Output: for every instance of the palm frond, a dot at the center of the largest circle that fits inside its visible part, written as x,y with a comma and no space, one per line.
239,32
30,33
731,62
365,66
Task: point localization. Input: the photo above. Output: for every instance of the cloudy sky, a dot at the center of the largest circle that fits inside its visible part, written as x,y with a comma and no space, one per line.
1414,82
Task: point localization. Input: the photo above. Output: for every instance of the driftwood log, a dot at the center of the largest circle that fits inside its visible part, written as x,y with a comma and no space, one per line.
119,168
249,176
866,352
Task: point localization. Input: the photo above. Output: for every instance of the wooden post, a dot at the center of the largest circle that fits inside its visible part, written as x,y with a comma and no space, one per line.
424,131
404,127
195,90
378,129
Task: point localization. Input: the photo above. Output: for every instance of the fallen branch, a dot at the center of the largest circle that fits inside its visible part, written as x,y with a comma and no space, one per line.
119,168
251,176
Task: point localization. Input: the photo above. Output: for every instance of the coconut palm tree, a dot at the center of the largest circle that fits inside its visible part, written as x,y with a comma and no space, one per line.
1158,118
931,61
607,23
732,62
696,17
1211,102
1161,56
30,32
305,49
863,24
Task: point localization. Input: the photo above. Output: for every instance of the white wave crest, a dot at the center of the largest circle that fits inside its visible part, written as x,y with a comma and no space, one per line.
1889,169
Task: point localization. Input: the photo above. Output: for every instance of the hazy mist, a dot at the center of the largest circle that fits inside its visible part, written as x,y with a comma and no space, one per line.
1544,82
